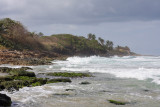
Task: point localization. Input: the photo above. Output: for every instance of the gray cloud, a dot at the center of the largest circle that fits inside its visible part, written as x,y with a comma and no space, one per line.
81,11
134,23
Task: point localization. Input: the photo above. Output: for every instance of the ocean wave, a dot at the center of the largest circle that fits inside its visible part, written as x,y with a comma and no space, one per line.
138,67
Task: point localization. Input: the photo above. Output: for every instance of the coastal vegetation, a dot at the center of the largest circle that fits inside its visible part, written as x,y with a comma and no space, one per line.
21,46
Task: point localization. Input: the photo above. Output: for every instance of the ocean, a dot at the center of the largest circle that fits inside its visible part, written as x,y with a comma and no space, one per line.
131,79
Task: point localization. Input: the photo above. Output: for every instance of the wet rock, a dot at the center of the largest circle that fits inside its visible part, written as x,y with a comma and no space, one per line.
5,101
21,72
19,78
105,91
58,80
5,69
26,68
70,90
17,71
69,74
85,83
6,78
146,90
61,94
117,102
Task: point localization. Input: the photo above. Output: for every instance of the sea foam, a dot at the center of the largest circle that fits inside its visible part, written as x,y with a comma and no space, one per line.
138,67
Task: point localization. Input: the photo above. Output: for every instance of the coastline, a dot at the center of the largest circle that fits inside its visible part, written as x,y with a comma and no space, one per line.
106,86
31,58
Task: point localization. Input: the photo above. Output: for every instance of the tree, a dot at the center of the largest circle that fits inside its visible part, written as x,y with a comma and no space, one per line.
91,36
40,34
101,41
109,45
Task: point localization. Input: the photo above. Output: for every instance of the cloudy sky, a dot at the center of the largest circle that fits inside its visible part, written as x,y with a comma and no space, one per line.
135,23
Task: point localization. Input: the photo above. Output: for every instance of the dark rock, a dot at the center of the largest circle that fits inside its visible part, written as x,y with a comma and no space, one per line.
58,80
117,102
26,68
146,90
6,78
5,100
61,94
85,83
5,69
70,90
69,74
21,72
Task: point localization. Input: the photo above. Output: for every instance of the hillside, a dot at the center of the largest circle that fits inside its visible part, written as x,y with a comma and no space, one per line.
15,39
72,45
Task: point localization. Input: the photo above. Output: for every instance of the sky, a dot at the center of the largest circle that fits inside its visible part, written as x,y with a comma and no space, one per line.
133,23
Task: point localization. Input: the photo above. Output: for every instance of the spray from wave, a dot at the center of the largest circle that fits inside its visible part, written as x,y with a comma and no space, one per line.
139,67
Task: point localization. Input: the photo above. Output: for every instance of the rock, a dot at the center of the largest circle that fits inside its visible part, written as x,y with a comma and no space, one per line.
69,89
69,74
5,69
5,101
117,102
61,94
58,80
85,83
21,72
146,90
26,68
17,71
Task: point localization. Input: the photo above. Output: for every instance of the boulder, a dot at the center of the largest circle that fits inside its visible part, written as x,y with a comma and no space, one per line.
5,101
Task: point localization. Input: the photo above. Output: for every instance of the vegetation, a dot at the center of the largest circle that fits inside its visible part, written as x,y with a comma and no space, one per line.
19,78
17,71
14,36
117,102
67,74
91,36
109,45
59,80
101,41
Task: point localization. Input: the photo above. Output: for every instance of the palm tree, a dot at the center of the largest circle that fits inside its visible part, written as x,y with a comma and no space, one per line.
91,36
101,41
109,45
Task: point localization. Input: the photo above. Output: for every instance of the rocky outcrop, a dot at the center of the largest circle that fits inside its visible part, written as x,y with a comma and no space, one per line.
25,57
5,101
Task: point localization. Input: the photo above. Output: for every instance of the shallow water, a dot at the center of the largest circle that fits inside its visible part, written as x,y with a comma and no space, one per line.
135,80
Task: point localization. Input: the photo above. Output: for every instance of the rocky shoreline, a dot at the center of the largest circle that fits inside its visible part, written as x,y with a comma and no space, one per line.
15,57
17,78
12,79
28,57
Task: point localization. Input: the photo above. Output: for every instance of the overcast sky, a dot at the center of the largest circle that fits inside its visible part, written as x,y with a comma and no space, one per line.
135,23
